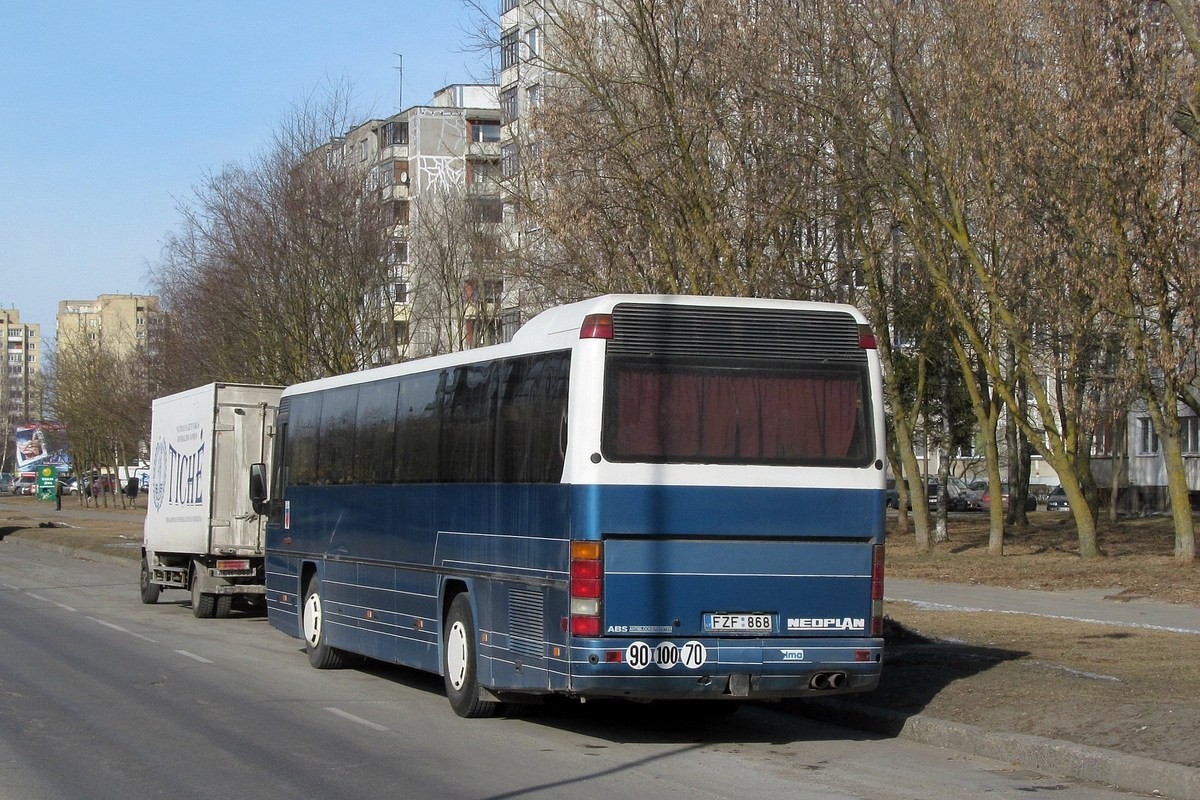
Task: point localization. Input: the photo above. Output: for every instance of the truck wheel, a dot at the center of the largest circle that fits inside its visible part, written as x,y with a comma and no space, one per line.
149,590
224,606
204,606
320,654
459,662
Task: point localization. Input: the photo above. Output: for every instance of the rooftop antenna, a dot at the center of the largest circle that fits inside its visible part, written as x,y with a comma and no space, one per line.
400,80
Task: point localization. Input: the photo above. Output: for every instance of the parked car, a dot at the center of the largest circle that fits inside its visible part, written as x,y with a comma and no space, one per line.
1057,501
986,500
24,485
892,495
6,482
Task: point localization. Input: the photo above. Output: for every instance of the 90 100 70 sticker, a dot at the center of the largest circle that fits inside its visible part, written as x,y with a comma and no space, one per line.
691,654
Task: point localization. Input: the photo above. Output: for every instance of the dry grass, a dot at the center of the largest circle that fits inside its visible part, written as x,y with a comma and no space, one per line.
1138,557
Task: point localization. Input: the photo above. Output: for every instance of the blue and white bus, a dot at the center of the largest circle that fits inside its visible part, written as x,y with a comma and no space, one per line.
645,497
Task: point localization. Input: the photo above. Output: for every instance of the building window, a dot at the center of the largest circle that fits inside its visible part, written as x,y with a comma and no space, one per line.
402,333
396,212
508,104
400,292
1189,435
483,172
393,133
487,209
507,5
510,49
399,253
1148,444
508,160
534,96
533,40
483,130
362,150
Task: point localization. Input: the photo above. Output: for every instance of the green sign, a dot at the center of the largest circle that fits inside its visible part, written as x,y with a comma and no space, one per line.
47,482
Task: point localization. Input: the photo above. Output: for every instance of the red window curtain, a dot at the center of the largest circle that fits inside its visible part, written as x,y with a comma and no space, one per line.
721,417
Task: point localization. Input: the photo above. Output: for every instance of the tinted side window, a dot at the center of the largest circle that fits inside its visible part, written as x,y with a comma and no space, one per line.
531,419
375,437
468,435
336,457
418,428
304,427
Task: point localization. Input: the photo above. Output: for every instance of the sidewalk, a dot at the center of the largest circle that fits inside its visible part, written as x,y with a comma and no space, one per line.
1096,606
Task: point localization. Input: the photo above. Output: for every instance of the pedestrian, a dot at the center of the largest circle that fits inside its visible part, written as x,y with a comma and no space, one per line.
131,489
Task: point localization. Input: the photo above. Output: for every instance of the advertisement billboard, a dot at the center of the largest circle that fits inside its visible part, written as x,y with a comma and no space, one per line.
42,443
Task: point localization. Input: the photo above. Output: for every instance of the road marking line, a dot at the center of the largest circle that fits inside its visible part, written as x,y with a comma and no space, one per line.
193,656
10,586
346,715
51,602
123,630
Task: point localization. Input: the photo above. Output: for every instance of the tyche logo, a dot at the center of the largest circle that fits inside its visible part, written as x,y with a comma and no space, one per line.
177,475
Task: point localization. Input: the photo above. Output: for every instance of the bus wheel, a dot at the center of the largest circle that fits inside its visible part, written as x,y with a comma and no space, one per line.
149,590
459,662
320,654
204,606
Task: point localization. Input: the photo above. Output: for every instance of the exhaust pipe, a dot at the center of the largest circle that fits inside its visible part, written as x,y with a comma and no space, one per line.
827,681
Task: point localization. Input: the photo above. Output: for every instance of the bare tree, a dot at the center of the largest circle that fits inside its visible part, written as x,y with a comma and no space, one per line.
279,271
457,280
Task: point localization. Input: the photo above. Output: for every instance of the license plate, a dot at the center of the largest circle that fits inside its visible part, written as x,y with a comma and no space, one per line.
739,623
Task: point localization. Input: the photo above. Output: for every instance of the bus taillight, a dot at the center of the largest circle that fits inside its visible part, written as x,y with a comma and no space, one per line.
866,338
877,591
596,326
587,582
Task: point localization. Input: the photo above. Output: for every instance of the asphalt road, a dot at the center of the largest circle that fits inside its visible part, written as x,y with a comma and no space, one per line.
102,697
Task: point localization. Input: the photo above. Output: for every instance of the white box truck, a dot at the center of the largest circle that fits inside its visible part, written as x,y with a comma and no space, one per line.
203,532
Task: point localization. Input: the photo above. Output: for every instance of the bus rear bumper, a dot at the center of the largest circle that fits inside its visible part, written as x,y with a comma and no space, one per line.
700,669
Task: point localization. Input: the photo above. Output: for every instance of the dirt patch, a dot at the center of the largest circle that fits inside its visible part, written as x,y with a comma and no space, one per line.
1139,557
1125,689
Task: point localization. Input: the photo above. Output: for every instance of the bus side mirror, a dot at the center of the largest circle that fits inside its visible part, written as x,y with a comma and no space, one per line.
258,487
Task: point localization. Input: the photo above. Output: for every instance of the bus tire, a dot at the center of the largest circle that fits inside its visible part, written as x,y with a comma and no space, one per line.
320,654
460,662
204,606
149,591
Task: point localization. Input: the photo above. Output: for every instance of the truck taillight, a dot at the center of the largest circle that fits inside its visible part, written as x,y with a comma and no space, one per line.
587,588
233,564
877,591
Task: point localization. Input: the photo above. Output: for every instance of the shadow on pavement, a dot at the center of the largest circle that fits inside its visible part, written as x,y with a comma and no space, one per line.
915,670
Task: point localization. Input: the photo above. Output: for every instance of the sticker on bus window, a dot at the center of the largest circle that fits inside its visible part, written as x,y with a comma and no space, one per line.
664,655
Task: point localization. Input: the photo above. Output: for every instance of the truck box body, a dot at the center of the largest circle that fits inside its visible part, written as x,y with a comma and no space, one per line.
198,510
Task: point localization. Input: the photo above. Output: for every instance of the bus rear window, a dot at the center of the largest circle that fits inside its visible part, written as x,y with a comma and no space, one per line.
725,413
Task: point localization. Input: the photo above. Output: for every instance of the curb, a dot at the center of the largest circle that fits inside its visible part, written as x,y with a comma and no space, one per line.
1051,756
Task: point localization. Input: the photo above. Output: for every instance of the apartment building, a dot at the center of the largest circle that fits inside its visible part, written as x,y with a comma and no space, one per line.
123,323
435,168
22,395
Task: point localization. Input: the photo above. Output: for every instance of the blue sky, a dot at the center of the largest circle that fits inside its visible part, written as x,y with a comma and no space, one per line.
110,112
